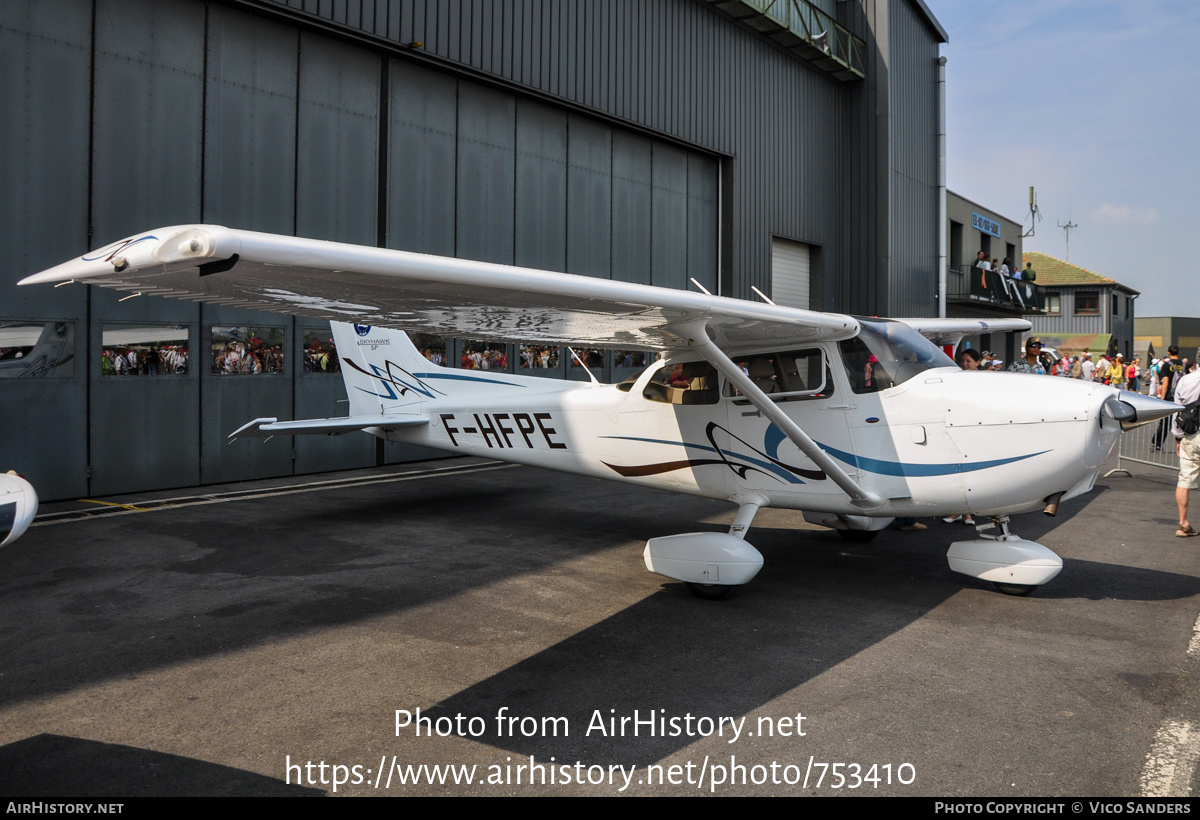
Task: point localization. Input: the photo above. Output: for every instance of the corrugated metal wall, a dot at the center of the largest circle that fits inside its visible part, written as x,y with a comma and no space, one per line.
672,68
912,270
606,139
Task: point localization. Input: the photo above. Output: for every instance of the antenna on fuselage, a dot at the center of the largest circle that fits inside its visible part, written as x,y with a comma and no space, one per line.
762,295
697,284
584,366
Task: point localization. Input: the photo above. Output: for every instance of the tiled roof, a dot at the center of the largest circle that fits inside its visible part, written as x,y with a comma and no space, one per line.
1052,271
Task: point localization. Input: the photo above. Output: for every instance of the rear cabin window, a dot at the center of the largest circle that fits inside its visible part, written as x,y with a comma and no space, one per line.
683,383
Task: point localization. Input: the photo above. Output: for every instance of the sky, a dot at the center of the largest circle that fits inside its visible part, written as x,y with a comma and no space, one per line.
1095,103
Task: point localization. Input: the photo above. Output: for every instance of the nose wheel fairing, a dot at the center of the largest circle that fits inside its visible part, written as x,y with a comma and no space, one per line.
1010,562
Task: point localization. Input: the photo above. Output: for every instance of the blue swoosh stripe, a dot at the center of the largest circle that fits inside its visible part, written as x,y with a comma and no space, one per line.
774,436
104,249
878,465
463,378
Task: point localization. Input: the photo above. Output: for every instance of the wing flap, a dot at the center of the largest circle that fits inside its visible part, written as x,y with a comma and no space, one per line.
411,291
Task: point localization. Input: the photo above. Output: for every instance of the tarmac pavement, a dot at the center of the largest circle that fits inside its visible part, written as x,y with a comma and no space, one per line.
223,643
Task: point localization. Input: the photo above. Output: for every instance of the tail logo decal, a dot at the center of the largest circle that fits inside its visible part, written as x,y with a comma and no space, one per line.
394,376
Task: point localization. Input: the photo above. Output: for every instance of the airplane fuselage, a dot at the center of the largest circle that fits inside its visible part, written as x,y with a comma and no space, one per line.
944,442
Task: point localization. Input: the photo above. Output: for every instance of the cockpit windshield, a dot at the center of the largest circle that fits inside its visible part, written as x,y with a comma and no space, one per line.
886,353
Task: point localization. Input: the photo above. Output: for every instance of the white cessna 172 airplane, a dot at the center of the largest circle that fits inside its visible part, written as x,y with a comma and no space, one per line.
854,421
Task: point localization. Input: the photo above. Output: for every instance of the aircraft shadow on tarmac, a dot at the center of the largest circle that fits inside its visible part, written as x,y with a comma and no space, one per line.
49,765
816,607
184,584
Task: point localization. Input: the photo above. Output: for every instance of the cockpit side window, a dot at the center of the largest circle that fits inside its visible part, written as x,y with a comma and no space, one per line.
887,353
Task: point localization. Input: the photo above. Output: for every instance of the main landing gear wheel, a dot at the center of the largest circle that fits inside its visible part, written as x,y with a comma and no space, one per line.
858,536
1020,590
711,592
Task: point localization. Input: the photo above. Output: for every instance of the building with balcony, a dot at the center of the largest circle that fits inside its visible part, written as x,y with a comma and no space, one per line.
975,293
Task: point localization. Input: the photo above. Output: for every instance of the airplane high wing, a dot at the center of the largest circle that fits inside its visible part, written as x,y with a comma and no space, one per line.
855,421
434,294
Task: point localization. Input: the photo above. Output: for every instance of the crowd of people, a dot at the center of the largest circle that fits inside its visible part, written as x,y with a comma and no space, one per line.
1014,280
485,358
1108,368
254,357
144,360
320,358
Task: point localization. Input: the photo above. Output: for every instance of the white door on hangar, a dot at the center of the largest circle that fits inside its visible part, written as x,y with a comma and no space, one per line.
790,273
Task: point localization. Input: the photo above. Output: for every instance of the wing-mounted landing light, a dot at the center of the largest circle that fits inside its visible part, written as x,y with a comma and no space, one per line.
1134,409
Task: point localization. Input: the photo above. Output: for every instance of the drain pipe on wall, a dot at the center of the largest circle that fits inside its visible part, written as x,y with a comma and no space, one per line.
941,149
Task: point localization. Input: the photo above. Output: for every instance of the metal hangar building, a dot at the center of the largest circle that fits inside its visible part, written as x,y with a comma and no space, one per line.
790,145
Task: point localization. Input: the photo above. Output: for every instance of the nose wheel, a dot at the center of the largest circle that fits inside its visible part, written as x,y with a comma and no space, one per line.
711,592
1019,590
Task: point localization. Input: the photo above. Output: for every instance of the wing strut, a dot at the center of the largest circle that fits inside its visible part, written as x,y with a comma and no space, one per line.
697,339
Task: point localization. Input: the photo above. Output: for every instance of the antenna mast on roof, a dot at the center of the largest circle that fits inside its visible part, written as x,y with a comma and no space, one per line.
1067,229
1035,216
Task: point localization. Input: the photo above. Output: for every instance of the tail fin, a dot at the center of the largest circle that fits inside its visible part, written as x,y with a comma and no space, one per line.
382,369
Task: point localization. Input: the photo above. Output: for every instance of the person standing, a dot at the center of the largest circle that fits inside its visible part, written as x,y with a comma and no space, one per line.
1032,363
1116,372
983,266
1187,446
1088,368
1169,371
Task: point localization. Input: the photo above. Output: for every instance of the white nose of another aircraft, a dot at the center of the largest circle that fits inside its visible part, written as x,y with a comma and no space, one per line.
18,506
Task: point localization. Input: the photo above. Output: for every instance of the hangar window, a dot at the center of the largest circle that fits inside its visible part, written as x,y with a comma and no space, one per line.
1087,303
320,353
37,350
144,350
539,357
247,350
593,357
630,358
432,347
479,355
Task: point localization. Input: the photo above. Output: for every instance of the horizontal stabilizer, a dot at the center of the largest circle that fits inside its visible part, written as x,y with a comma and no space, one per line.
265,428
